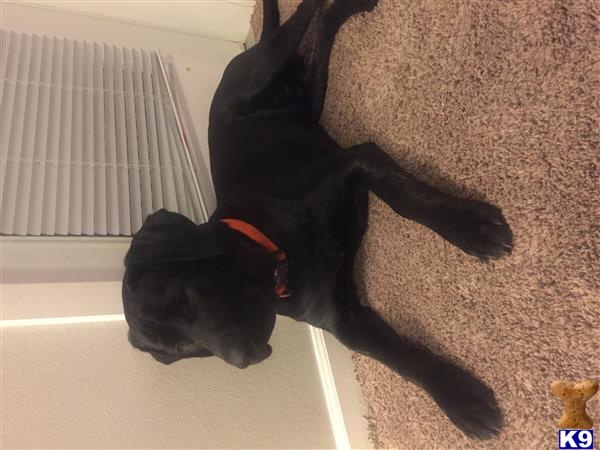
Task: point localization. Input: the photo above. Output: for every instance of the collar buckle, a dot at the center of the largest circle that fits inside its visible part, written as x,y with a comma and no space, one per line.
280,278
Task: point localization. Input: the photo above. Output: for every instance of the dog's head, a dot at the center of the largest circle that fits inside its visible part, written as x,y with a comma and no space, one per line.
197,290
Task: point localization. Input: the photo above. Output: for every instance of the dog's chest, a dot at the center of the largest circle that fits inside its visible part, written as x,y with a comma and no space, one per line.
312,282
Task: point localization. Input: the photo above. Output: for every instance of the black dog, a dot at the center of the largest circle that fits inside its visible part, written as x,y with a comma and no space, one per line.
290,200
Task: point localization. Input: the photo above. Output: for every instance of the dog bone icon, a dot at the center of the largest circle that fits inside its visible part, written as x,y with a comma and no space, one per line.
574,395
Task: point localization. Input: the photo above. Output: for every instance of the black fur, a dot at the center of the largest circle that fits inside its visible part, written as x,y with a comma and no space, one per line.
201,290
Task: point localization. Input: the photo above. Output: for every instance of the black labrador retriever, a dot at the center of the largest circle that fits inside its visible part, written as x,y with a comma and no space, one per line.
292,211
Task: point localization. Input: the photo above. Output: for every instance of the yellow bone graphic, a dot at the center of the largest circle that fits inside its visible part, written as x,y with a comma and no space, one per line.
574,395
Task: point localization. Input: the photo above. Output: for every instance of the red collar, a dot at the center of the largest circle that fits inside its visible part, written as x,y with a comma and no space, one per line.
281,271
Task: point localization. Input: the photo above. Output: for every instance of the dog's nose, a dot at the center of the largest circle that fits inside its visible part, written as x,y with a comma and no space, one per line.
165,359
259,354
264,353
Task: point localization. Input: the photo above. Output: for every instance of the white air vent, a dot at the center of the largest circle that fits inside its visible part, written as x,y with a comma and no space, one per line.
90,142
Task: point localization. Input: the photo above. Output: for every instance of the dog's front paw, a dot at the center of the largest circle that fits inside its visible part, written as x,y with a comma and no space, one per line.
467,402
477,228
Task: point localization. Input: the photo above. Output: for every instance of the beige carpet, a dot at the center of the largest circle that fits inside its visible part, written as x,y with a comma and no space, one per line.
497,100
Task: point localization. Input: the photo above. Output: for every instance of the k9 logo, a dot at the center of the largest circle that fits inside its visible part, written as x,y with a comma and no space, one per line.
575,439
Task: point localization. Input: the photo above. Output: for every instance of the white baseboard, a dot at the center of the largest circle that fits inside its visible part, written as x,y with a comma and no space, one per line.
342,393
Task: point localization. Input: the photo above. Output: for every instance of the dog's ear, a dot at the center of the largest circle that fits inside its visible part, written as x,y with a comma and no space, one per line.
171,237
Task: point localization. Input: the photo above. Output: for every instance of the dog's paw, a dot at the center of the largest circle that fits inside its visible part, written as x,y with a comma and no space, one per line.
467,402
477,228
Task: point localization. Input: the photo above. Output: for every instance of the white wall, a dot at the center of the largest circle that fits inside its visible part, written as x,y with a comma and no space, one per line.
221,19
82,385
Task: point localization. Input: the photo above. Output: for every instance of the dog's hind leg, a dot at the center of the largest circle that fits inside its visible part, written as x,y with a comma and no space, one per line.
270,18
260,66
330,21
251,79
